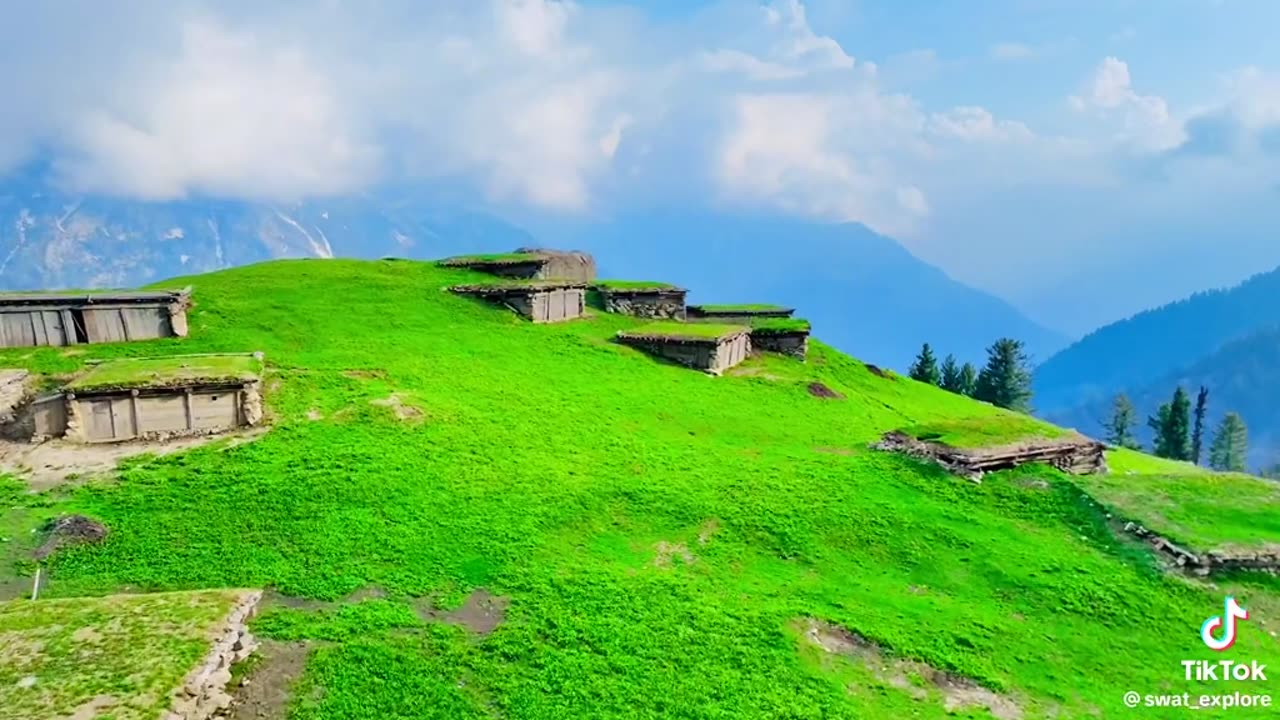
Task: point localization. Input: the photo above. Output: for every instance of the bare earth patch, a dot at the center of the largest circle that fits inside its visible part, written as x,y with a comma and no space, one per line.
397,404
368,374
958,693
314,415
481,613
819,390
264,693
666,552
47,465
833,451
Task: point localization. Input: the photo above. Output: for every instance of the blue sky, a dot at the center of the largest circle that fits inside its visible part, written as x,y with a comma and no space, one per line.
1082,159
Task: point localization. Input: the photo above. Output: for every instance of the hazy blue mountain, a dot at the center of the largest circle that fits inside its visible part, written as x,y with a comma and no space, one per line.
1242,376
50,239
1155,343
864,292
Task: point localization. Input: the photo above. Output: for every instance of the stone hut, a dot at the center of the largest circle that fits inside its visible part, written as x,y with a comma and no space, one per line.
543,301
713,348
781,335
148,399
28,320
642,299
737,313
1074,454
531,264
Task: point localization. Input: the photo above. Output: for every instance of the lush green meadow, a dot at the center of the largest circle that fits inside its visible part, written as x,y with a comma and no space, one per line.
661,534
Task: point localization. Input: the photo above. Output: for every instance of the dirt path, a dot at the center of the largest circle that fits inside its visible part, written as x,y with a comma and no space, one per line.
265,692
47,465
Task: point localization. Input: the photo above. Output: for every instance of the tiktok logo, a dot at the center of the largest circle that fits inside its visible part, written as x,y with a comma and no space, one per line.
1226,621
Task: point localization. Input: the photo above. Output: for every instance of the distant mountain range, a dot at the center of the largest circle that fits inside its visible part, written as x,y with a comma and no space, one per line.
864,292
1226,340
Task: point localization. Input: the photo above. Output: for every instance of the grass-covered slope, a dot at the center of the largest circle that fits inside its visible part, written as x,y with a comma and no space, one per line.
661,535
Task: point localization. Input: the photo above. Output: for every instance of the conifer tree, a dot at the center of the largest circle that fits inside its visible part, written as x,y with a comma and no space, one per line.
1005,381
950,375
925,368
968,380
1120,426
1197,432
1172,427
1230,444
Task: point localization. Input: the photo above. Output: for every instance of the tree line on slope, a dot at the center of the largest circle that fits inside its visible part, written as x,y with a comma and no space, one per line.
1005,381
1179,431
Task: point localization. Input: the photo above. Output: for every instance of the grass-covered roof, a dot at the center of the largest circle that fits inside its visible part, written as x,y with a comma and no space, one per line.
623,286
679,331
166,372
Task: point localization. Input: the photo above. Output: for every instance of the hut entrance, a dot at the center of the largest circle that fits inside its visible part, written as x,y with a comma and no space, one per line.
78,327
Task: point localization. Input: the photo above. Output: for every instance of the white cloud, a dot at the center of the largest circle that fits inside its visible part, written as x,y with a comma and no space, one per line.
976,124
1145,119
229,114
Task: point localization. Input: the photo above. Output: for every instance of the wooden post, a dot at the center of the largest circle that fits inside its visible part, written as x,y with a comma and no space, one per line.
137,421
124,324
35,336
35,586
186,397
68,327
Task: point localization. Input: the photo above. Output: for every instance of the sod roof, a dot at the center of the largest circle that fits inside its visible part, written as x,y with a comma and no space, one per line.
778,325
744,309
498,286
177,371
683,332
491,259
634,286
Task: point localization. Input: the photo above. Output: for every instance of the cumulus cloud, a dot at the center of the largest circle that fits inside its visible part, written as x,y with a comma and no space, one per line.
1146,120
229,114
544,103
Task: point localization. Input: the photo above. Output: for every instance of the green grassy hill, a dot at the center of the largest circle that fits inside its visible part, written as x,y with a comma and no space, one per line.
670,544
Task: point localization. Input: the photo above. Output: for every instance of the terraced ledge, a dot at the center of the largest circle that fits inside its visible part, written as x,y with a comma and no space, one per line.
1265,559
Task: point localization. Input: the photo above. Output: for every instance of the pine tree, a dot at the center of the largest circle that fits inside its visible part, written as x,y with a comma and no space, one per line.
1197,432
1172,426
925,368
1005,381
950,375
1230,444
1120,427
968,380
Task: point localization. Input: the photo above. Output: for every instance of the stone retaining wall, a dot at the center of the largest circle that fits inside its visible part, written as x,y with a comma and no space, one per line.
203,694
1207,563
794,344
660,305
